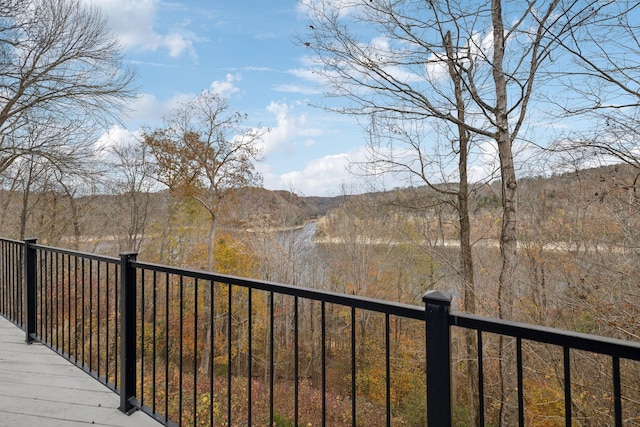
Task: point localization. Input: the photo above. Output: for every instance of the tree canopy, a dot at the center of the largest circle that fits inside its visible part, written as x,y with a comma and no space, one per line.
61,69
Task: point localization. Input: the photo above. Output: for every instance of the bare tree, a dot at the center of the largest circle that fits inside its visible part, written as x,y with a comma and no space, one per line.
45,176
132,186
34,182
203,153
60,67
605,53
446,61
474,66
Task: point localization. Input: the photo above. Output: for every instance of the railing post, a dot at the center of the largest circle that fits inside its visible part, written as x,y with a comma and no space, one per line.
438,358
127,332
29,281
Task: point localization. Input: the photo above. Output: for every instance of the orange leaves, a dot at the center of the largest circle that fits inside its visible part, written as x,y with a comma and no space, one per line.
233,257
175,165
203,151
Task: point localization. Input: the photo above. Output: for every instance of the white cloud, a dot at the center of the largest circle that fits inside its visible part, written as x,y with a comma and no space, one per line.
343,7
143,107
484,163
479,48
307,73
320,177
227,87
294,88
134,23
290,129
256,68
148,109
116,136
177,43
328,175
436,68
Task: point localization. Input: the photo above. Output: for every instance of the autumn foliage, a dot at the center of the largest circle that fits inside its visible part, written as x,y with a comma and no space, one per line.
576,271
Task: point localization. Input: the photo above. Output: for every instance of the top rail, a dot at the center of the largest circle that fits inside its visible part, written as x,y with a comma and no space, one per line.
371,304
547,335
78,254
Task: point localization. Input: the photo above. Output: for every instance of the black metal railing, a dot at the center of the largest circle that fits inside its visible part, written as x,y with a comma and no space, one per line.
70,305
11,299
253,341
575,349
196,348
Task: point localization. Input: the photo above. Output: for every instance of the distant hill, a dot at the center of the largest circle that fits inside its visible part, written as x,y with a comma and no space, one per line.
261,208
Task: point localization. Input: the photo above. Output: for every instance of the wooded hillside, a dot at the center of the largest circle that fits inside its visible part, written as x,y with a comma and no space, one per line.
578,236
578,252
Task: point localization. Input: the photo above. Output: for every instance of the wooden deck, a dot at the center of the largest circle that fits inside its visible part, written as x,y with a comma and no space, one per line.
40,388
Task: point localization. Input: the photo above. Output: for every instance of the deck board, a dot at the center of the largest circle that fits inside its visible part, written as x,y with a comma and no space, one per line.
40,388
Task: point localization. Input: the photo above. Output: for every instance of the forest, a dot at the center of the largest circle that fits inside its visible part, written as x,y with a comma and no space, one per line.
577,269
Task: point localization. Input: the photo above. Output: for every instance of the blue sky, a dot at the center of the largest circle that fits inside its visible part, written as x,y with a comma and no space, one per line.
245,50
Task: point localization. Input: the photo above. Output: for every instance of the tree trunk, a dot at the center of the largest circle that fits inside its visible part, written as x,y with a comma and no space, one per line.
468,290
205,361
466,260
211,244
508,238
24,211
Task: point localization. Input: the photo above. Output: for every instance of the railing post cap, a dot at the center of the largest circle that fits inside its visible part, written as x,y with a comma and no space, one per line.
437,297
30,240
128,254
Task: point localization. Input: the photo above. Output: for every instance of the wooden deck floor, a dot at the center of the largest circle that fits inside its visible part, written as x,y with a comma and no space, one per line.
40,388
